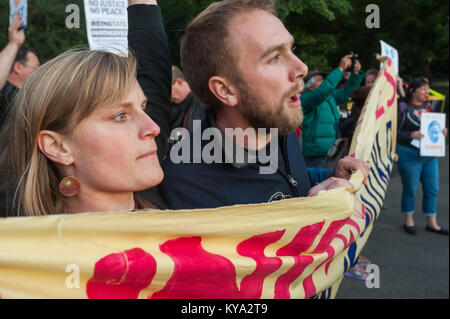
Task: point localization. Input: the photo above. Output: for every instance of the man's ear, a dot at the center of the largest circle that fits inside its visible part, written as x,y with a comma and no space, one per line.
223,90
17,67
179,81
53,146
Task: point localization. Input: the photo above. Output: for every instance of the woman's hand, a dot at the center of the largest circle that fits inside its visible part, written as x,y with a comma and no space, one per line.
416,135
444,131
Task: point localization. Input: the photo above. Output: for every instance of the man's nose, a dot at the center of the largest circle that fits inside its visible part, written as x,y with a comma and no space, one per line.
299,70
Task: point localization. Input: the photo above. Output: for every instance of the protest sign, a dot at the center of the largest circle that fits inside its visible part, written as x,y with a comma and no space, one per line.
107,25
20,6
433,142
389,51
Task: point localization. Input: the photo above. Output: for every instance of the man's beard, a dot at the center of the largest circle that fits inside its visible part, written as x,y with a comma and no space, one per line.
263,114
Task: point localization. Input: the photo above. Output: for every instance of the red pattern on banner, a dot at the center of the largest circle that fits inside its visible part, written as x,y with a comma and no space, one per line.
301,242
323,246
391,80
121,275
251,285
380,109
198,273
201,274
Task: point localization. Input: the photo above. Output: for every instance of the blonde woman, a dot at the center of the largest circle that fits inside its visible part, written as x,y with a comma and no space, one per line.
79,138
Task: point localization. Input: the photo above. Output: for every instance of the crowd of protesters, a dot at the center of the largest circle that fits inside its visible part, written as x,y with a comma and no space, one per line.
99,138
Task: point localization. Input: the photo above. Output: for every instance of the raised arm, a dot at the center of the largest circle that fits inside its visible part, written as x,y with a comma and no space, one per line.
16,38
148,42
312,99
343,94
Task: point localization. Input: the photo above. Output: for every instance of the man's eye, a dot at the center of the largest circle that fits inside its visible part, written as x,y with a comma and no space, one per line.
275,58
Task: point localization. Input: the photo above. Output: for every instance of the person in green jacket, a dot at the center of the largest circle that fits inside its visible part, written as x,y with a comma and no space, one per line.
321,115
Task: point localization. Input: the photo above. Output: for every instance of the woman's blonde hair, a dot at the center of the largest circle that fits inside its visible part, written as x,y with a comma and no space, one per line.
56,97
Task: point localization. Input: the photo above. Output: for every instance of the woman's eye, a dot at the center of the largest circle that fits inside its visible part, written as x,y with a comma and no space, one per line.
120,117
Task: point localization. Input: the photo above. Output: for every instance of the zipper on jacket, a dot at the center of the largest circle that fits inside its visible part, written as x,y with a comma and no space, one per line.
291,181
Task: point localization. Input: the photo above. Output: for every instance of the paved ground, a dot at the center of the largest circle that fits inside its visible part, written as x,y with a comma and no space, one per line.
410,266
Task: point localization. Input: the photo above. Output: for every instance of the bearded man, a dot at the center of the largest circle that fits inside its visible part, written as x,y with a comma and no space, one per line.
239,60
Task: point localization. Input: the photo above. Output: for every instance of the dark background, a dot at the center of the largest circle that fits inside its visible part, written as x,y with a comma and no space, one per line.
324,30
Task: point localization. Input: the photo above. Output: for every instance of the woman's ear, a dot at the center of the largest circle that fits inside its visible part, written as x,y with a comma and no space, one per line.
52,145
223,90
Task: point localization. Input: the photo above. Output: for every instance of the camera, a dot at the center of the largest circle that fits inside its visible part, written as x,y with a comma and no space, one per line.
352,66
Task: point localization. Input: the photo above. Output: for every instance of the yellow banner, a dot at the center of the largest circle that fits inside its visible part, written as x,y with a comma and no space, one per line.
294,248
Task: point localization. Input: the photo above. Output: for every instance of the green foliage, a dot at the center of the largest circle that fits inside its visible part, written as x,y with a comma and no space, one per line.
324,30
418,29
46,31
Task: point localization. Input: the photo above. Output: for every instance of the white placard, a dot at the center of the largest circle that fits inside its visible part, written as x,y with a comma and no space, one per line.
387,50
107,25
22,7
433,142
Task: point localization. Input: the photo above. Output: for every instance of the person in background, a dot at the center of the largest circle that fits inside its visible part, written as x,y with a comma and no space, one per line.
186,107
17,63
298,130
371,76
412,167
347,126
16,38
321,115
25,63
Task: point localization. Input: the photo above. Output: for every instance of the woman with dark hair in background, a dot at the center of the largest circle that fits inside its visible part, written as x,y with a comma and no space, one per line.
412,167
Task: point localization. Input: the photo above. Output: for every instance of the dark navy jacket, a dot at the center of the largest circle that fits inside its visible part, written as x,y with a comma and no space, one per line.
202,185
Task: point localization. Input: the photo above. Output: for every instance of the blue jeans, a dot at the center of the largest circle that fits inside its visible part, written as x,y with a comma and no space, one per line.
414,169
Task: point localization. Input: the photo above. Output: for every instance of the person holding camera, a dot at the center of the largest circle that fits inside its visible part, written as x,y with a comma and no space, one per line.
319,101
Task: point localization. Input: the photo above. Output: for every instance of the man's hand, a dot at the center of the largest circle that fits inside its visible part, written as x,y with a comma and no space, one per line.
133,2
416,135
345,62
347,165
330,183
14,35
380,58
